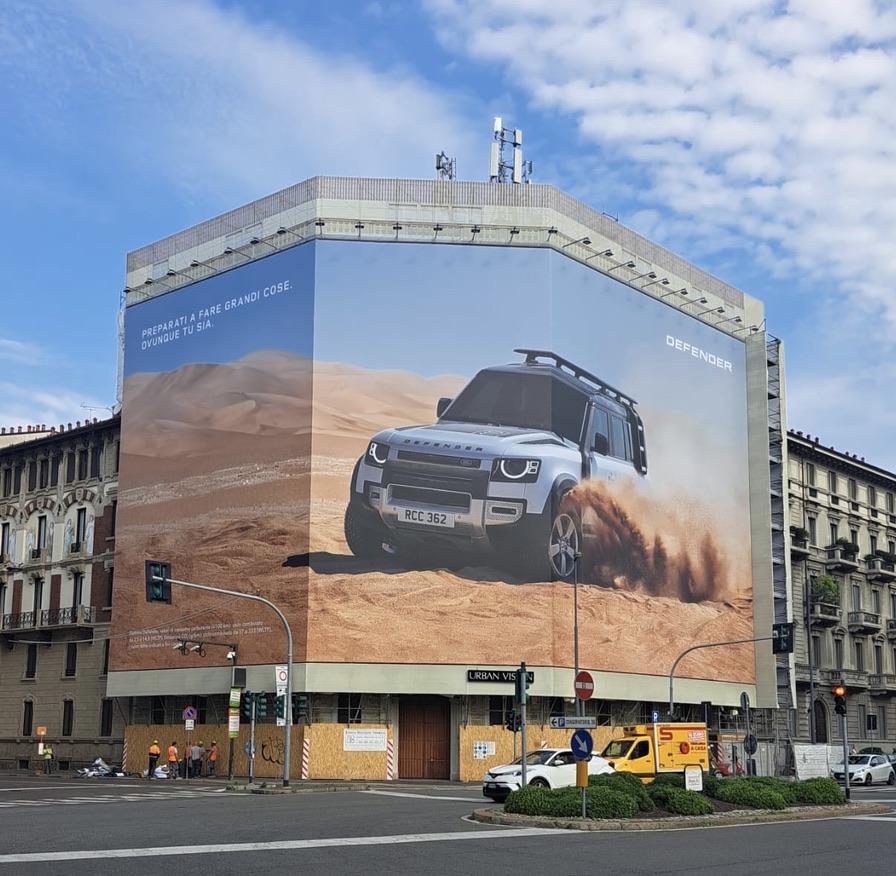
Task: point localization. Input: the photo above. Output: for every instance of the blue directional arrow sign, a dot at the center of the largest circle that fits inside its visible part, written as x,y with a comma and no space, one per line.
582,744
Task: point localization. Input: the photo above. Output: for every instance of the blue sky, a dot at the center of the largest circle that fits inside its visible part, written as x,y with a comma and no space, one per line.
755,139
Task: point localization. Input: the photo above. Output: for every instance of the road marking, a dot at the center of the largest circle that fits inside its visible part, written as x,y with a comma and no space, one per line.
113,798
278,846
424,796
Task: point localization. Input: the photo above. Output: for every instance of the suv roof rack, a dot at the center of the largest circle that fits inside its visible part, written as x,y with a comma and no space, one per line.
532,357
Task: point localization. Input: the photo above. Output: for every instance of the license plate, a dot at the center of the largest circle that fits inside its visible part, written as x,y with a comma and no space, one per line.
426,518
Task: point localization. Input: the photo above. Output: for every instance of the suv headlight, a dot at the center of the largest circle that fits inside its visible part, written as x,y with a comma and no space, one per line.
516,469
377,453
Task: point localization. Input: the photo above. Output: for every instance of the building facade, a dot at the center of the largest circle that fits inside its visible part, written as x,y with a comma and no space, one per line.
842,545
58,492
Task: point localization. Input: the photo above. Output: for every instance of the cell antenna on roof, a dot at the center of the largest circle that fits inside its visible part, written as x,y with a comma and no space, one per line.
446,168
499,169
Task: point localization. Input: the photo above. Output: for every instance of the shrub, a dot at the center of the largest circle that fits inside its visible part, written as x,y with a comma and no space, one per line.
819,791
744,792
625,783
675,780
711,785
605,802
788,790
683,802
528,800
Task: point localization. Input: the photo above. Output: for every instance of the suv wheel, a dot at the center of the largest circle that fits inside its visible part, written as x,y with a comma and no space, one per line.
539,783
364,542
565,545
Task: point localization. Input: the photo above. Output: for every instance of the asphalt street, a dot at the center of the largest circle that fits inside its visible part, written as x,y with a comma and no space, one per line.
119,827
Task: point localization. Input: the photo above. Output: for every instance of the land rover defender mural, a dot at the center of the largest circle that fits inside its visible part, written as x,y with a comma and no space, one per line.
490,476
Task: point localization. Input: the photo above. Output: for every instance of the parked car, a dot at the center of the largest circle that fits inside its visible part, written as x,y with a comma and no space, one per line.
489,477
866,769
545,768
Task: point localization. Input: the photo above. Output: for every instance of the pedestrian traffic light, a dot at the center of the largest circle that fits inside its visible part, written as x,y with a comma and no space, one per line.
261,705
248,700
782,638
158,581
521,684
839,692
280,706
299,707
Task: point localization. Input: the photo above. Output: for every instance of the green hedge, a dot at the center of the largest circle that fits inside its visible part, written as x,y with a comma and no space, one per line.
819,791
626,783
745,792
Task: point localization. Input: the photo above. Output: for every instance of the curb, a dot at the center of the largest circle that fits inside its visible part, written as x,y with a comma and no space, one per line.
679,822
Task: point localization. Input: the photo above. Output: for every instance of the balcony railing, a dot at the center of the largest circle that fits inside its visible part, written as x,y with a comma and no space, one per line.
74,616
854,678
891,629
877,569
825,614
882,685
799,548
23,620
841,559
864,622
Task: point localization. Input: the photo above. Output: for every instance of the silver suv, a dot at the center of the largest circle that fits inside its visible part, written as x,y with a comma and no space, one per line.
490,475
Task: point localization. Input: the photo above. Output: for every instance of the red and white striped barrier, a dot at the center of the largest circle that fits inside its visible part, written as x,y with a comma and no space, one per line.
544,743
390,760
124,756
306,747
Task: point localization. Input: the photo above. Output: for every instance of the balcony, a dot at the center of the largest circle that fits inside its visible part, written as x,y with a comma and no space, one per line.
878,569
801,673
38,555
854,678
863,622
824,614
841,559
799,548
882,685
75,616
891,629
74,549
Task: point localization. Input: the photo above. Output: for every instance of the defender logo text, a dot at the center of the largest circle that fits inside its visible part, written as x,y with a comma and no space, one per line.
697,353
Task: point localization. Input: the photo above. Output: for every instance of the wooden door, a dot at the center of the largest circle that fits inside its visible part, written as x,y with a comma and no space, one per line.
424,745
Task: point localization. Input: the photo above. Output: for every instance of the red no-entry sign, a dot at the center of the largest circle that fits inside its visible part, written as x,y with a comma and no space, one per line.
584,685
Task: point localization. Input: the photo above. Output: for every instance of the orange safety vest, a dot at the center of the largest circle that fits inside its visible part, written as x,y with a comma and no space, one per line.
172,754
154,749
213,754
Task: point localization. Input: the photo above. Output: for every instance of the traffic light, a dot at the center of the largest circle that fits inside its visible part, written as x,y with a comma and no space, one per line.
248,699
782,638
839,692
299,708
510,723
158,583
261,705
280,706
521,684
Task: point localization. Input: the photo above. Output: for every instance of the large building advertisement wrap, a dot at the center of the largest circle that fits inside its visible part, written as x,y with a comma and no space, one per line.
417,449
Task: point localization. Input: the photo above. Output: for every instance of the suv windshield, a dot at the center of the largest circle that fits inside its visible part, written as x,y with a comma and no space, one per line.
524,399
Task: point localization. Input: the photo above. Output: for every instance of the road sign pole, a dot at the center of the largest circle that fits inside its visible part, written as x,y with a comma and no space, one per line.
525,751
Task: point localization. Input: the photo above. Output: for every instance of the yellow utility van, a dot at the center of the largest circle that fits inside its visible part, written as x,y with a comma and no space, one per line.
648,749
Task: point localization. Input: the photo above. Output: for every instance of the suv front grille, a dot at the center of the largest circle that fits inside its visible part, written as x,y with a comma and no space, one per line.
424,496
413,456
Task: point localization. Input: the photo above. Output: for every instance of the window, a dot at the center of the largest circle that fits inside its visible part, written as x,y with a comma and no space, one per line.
83,457
106,718
620,439
889,500
32,476
27,718
813,530
69,467
95,462
893,609
54,471
3,592
832,482
862,715
853,489
349,709
856,597
37,592
43,473
42,531
77,591
80,526
4,538
499,709
105,670
875,601
872,540
835,531
71,659
7,482
872,497
810,474
31,662
879,659
860,655
854,536
838,653
68,717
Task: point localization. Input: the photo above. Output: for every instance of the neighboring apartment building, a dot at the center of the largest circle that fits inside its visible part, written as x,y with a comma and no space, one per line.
843,565
58,491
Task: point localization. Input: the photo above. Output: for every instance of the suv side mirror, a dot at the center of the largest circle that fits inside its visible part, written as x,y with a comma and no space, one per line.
601,445
442,406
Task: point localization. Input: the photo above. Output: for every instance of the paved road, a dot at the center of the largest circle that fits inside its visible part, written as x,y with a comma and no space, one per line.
123,827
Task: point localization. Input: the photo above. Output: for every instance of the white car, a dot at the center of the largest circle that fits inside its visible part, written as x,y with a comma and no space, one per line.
867,768
545,768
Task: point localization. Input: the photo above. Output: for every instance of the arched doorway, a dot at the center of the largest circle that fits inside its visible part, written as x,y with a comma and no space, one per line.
821,722
424,738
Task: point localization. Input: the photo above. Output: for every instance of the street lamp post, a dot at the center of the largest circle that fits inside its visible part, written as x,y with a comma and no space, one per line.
580,703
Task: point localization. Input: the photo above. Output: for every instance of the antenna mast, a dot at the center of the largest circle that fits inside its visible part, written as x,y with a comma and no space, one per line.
446,168
500,170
